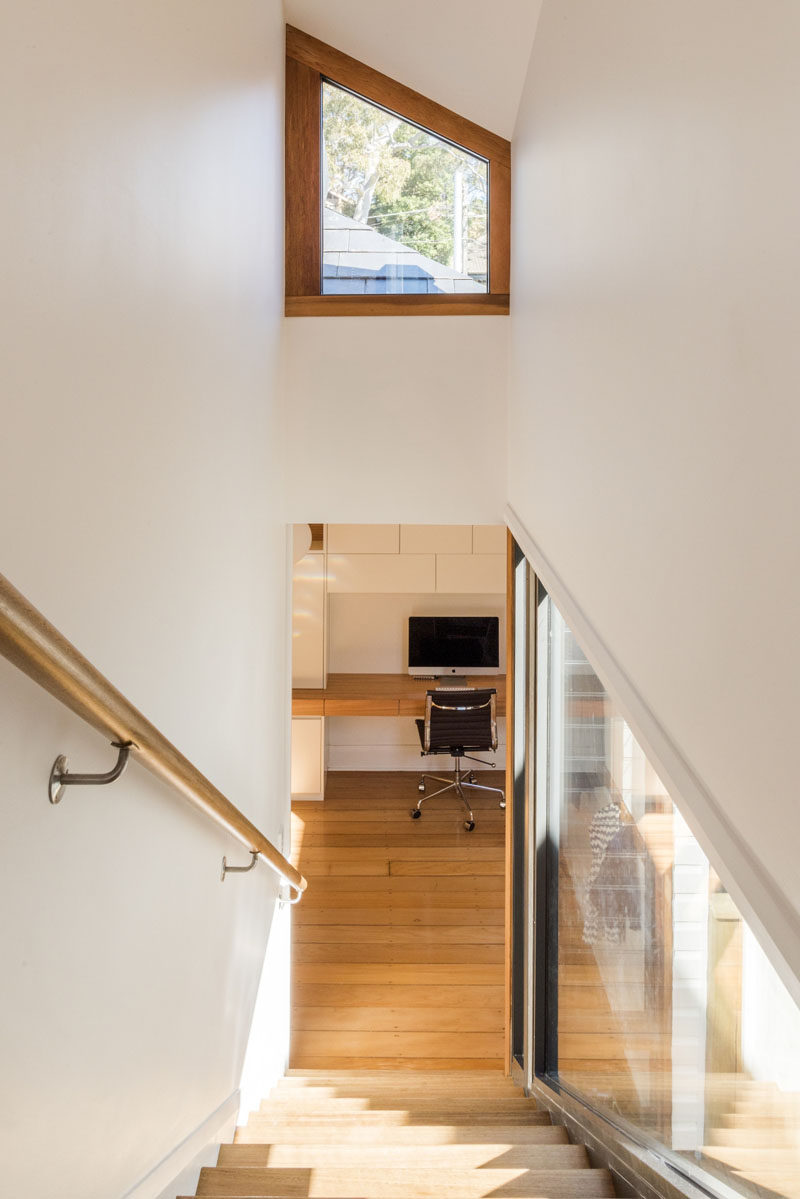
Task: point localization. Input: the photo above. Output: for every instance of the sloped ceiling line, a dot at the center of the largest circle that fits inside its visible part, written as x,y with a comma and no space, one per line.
466,54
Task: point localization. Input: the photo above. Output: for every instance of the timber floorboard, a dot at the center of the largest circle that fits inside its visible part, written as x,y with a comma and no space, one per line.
397,945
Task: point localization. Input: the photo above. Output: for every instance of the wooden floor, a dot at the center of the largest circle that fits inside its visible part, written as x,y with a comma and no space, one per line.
398,941
402,1135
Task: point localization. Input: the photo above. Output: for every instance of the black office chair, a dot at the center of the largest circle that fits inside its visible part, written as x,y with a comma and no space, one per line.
458,721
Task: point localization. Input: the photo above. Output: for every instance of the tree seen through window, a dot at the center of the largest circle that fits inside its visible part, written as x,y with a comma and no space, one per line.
404,210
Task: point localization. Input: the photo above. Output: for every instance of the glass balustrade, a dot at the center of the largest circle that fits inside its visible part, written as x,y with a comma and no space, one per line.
665,1013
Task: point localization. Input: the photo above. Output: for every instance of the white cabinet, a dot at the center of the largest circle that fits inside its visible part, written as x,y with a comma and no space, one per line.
381,573
308,757
308,622
435,539
460,574
363,539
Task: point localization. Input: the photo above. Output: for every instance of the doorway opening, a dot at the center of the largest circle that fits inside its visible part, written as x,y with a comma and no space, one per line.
399,944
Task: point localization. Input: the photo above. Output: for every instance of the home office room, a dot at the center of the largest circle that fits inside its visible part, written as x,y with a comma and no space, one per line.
398,795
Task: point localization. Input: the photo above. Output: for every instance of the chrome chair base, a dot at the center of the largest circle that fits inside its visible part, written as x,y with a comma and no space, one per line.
462,779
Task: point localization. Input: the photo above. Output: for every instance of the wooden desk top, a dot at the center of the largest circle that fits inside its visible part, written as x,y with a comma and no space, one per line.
379,695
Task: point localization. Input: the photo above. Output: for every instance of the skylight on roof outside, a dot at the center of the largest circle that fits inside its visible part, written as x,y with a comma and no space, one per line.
404,211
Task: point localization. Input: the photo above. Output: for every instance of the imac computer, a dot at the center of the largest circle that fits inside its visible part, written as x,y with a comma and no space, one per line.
453,646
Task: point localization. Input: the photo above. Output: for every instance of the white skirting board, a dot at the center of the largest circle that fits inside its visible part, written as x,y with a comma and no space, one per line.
401,757
179,1171
390,743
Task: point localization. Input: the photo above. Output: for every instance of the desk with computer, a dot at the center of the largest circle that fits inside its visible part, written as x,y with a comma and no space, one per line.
453,687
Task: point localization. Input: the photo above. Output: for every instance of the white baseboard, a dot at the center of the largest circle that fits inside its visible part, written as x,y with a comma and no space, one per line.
399,757
179,1171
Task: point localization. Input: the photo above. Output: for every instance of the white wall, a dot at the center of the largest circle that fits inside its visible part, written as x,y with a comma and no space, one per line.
770,1022
140,510
653,420
396,419
471,58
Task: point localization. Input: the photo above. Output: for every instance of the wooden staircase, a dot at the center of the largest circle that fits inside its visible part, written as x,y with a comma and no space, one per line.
758,1138
400,1134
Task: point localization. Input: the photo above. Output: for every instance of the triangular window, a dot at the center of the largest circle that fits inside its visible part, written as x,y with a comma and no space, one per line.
404,211
394,204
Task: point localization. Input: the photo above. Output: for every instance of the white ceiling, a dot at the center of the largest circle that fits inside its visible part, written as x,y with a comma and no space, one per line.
470,55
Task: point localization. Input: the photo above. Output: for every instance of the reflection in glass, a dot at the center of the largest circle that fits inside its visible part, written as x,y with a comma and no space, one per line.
669,1015
403,211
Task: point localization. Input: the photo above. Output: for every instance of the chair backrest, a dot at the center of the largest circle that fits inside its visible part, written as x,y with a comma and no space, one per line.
461,720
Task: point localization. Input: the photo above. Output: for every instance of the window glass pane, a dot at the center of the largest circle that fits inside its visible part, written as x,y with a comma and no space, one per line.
669,1014
403,211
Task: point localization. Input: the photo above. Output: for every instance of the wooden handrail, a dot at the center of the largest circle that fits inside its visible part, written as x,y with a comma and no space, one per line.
33,645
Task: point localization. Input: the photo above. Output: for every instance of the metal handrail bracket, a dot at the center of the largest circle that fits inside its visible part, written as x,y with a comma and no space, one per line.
60,776
37,648
226,869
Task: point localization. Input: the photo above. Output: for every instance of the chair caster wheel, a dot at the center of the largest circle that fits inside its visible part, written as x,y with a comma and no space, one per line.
472,778
415,813
469,825
420,786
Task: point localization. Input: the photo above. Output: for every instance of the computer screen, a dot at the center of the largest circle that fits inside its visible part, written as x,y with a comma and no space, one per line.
439,645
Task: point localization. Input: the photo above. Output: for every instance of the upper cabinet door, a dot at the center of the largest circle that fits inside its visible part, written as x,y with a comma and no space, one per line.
363,539
435,539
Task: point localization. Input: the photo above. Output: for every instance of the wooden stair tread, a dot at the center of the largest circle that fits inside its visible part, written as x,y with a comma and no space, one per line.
738,1120
332,1183
333,1104
755,1138
259,1131
395,1078
394,1060
400,1080
449,1080
491,1155
344,1089
405,1134
742,1156
379,1119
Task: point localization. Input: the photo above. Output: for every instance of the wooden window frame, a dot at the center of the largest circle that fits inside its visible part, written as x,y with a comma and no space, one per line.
308,63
